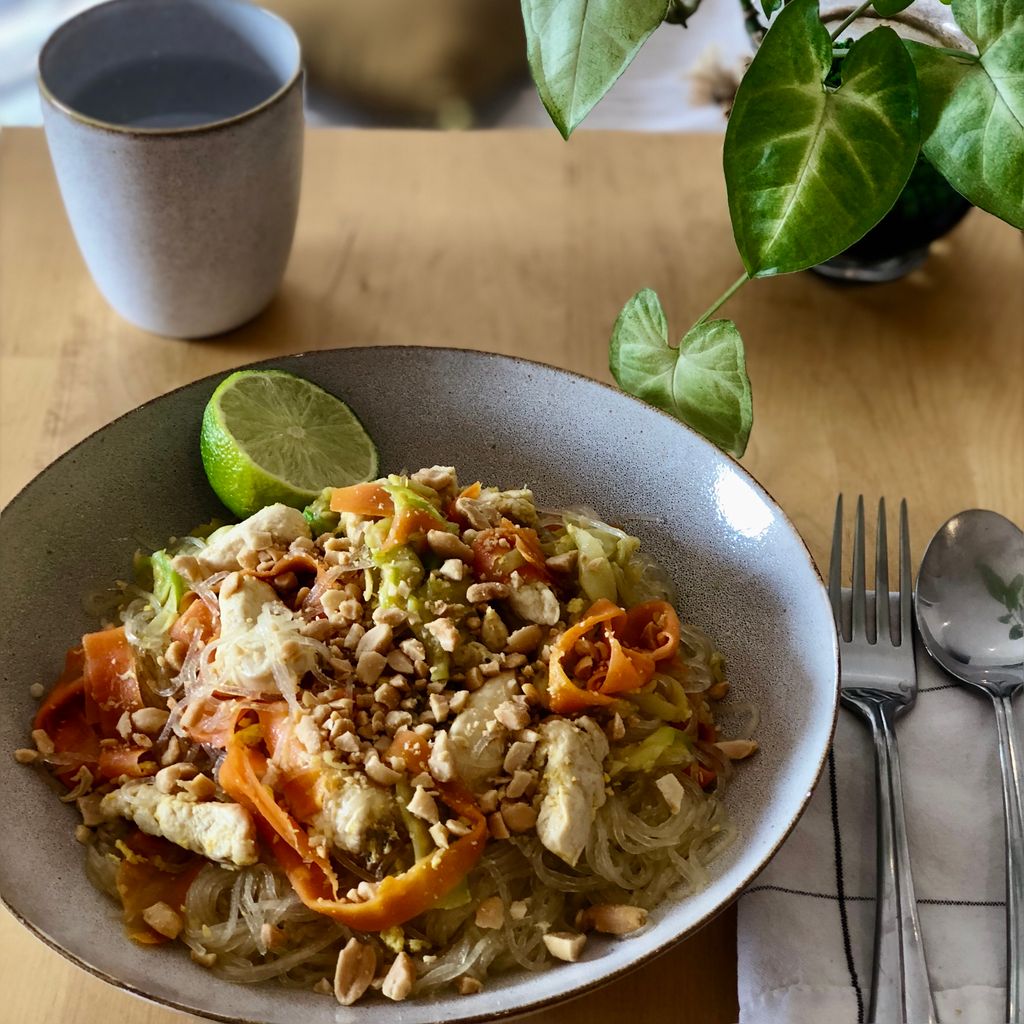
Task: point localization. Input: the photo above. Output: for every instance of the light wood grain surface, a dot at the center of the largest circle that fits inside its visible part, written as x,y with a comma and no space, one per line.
522,244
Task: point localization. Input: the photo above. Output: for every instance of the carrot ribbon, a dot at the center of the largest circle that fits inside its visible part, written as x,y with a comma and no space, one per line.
374,501
81,712
626,651
399,897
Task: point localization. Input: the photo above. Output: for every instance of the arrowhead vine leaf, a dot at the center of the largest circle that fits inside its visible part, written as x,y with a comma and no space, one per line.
578,48
811,169
703,382
972,109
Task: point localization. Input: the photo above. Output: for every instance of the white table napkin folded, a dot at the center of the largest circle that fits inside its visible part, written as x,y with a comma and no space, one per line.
806,924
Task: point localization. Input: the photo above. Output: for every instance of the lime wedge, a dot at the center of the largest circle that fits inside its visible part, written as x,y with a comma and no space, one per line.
270,436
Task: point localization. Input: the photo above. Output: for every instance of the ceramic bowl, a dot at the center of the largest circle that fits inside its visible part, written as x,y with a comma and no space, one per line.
742,571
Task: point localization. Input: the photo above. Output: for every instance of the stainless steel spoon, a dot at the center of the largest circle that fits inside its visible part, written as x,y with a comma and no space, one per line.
970,611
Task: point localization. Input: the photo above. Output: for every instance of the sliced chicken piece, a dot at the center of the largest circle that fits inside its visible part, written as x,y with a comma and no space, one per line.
275,526
477,738
257,633
357,816
492,505
572,785
220,831
534,601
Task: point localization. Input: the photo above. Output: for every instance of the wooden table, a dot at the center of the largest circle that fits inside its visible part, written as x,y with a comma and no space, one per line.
522,244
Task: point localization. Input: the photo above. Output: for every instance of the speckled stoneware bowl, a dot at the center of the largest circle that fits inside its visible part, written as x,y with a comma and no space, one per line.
742,571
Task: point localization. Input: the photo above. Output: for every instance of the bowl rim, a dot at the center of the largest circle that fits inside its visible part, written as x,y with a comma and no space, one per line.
534,1005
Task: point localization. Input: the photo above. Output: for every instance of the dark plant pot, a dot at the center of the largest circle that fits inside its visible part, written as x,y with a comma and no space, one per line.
927,208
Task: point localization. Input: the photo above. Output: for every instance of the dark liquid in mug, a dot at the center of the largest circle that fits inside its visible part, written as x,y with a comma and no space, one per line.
174,92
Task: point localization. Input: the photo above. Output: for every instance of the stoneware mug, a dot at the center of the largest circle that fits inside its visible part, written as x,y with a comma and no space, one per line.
175,128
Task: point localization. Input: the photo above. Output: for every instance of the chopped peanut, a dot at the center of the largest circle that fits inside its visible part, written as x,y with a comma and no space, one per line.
441,762
490,913
149,720
380,772
423,806
166,780
518,754
565,945
164,920
377,639
357,964
439,834
565,562
672,790
438,706
400,661
399,980
369,667
43,742
496,826
447,545
480,593
513,714
736,750
520,783
611,918
445,632
525,640
453,569
518,817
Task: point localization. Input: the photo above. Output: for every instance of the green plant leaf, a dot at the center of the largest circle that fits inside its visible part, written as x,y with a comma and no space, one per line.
993,582
770,7
888,8
703,382
810,169
578,48
1013,591
972,110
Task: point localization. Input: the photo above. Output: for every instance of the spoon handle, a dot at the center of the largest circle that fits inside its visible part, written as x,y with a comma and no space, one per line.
1012,763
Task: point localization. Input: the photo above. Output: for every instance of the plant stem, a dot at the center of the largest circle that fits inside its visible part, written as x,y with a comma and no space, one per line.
964,54
724,298
850,19
752,23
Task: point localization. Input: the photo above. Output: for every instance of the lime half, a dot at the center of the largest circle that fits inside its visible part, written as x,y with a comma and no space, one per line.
270,436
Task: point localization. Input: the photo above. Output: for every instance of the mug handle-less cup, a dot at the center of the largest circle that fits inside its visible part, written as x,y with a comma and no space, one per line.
175,128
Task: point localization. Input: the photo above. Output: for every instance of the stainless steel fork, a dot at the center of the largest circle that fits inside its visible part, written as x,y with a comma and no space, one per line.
878,679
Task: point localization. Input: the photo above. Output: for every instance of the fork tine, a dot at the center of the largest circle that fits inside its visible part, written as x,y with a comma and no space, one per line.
858,599
906,583
835,567
883,624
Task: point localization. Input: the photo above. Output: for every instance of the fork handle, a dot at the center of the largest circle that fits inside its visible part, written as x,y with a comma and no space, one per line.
1013,799
899,980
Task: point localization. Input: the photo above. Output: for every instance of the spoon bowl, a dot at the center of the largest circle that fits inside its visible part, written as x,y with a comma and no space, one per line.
970,601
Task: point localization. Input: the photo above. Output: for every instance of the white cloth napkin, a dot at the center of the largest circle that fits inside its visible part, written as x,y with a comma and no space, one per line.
806,923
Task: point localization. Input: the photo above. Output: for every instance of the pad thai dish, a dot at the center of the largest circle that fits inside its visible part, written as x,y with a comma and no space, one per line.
411,737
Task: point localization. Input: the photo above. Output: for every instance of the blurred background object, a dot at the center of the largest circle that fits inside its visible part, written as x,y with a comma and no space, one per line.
440,63
406,61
